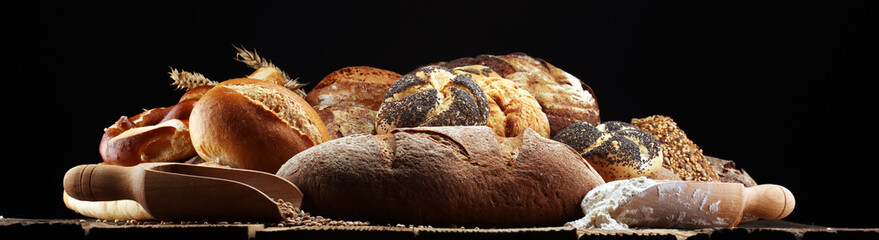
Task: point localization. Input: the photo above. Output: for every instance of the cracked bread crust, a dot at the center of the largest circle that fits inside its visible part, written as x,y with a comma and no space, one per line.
432,96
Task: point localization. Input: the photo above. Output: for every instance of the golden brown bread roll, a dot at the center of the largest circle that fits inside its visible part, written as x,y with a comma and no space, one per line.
359,86
432,96
617,150
441,176
563,97
253,124
155,135
511,109
680,154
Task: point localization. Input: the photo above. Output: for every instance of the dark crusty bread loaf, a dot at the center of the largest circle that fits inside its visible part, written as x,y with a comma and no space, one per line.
432,96
441,176
563,97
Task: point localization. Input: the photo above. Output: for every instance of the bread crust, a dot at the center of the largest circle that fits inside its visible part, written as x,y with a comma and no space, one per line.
563,97
511,109
441,176
617,150
346,120
681,154
432,96
255,128
358,86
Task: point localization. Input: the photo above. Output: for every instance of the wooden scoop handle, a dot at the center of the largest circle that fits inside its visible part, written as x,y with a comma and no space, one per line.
769,201
92,182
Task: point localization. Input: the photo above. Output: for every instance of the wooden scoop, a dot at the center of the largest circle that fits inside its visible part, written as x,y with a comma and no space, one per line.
181,192
703,205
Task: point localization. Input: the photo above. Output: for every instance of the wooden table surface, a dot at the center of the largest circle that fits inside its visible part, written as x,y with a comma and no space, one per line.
96,229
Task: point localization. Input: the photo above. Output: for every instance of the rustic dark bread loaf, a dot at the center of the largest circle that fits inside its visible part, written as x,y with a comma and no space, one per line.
563,97
441,176
432,96
617,150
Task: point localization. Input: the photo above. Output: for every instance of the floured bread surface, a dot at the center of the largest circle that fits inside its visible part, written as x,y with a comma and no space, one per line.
603,200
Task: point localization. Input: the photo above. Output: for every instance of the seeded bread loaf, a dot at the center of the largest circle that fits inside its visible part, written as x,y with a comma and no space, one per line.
563,97
442,176
680,154
432,96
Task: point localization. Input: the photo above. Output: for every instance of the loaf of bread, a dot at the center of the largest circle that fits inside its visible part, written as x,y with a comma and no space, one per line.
680,154
617,150
442,176
432,96
359,86
347,100
253,124
511,109
346,120
563,97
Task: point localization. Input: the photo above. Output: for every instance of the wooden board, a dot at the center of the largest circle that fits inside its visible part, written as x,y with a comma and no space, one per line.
95,229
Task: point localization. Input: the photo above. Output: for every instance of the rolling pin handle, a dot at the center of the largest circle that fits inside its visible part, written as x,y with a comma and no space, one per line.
769,201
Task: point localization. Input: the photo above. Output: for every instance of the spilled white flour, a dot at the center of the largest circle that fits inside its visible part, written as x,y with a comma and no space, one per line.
602,200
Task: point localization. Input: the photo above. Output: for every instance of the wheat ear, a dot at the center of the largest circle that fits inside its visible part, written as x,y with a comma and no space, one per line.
189,80
253,60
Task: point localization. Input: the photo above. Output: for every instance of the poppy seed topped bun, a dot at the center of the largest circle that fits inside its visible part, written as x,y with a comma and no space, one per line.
432,96
617,150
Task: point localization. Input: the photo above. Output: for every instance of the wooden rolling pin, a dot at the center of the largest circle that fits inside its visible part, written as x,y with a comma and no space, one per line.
703,205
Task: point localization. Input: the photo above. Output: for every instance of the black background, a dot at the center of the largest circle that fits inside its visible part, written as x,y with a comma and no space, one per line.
782,88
